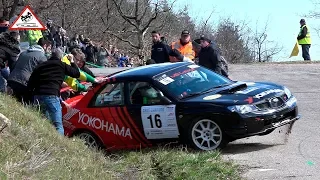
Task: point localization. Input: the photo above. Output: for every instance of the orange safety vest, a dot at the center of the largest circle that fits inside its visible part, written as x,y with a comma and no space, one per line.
186,50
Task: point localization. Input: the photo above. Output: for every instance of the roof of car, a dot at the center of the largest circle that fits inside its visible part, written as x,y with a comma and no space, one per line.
148,71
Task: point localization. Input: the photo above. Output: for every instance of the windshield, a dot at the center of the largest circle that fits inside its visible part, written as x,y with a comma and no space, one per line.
190,80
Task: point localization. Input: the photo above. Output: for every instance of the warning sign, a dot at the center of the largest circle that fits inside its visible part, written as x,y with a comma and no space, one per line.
27,20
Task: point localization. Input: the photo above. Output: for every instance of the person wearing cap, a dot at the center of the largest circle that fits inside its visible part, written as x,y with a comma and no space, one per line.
159,50
176,56
45,83
184,45
304,39
9,51
208,56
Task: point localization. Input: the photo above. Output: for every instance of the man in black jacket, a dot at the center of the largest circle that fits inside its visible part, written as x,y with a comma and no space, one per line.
160,50
45,83
208,56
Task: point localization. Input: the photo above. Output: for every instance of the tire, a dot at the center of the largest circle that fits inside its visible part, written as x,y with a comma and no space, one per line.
206,135
90,140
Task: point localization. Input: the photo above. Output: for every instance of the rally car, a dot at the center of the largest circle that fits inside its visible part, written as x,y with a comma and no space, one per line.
152,104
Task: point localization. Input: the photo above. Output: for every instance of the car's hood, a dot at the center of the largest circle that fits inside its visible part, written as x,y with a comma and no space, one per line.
240,93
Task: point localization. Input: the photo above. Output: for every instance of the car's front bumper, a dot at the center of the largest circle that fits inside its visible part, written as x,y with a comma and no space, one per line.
261,124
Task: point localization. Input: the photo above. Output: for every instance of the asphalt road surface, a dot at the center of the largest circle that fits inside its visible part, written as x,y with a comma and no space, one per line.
270,156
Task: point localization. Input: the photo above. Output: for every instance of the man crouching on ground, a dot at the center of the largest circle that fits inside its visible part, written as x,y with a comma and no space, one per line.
45,84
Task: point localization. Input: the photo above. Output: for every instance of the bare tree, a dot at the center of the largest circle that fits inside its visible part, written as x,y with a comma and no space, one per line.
261,45
9,7
140,15
233,44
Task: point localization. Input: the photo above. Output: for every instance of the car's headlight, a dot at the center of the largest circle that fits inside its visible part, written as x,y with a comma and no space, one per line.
287,91
243,109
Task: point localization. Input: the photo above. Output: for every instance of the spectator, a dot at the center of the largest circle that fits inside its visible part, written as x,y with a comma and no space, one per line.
9,50
58,38
50,31
90,50
81,62
122,61
160,50
208,56
184,45
304,39
74,42
34,36
45,84
4,24
102,56
27,61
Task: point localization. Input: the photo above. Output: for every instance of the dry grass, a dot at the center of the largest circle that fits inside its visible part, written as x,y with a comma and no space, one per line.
30,148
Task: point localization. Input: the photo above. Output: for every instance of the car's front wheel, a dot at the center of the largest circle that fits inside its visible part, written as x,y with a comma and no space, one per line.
206,134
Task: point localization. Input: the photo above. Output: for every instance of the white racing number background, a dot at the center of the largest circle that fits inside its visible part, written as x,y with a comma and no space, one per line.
159,121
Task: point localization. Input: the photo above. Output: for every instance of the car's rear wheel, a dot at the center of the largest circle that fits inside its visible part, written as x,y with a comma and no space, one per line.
90,140
206,134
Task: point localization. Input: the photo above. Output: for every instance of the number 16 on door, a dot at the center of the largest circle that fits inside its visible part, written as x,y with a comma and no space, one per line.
159,122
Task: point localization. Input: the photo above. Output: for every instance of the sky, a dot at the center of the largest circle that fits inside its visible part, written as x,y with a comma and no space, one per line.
283,17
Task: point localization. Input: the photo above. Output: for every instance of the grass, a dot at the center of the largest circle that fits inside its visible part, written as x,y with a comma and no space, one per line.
30,148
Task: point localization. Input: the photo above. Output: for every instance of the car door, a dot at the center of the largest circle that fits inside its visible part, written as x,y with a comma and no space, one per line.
108,121
155,118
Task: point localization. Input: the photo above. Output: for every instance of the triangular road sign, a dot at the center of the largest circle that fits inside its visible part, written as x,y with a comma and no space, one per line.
27,20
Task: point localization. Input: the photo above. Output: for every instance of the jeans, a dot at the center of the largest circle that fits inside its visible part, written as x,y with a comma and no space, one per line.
305,51
50,106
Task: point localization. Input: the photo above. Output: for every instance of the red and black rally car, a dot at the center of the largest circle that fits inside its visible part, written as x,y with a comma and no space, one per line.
143,106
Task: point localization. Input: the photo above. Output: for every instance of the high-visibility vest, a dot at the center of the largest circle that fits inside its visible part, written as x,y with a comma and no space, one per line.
307,39
34,36
186,50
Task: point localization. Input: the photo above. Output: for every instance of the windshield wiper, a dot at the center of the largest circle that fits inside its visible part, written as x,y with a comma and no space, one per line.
215,87
204,92
191,95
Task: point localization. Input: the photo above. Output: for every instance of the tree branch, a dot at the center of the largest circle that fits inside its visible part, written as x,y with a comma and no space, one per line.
118,37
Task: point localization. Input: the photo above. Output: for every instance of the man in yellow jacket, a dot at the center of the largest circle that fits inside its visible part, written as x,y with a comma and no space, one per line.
34,36
304,40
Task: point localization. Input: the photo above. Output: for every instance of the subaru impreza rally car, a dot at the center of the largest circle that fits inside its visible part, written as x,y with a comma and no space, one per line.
143,106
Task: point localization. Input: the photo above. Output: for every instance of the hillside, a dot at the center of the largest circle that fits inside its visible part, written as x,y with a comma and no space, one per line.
30,148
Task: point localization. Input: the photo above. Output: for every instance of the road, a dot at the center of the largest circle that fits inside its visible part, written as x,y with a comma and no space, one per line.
270,156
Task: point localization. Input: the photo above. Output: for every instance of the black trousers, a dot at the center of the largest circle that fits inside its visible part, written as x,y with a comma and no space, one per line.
20,92
305,51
